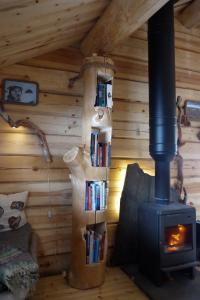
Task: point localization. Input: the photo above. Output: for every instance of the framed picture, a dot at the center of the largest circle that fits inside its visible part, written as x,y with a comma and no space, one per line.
20,92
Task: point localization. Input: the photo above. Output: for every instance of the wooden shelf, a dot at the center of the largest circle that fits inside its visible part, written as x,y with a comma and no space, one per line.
78,159
94,217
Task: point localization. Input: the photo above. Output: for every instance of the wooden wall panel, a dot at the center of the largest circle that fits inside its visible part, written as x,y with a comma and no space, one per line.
58,113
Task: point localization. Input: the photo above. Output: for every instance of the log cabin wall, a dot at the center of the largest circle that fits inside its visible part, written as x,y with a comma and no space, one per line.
58,113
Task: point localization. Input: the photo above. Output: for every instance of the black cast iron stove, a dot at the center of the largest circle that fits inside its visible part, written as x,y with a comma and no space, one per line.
166,230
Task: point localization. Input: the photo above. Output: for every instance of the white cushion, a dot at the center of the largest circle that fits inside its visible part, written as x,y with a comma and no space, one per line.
12,214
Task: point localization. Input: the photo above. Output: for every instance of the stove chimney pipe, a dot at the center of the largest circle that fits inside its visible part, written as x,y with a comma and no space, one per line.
162,102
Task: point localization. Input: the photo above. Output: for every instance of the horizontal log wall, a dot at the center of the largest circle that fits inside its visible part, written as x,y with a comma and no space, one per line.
58,114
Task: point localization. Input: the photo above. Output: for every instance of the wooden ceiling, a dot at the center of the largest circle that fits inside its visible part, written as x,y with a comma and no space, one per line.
29,28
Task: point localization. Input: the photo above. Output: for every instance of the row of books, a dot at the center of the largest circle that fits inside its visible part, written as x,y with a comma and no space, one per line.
96,195
104,95
95,244
100,152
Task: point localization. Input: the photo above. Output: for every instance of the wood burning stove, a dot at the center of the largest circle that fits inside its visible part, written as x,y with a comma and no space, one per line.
167,239
166,230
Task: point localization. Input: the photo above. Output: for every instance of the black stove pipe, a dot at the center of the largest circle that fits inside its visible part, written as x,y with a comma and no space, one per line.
162,102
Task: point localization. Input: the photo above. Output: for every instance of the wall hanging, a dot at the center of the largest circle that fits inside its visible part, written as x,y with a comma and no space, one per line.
29,124
20,92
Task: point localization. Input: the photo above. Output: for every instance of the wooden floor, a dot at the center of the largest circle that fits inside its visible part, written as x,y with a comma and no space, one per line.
116,287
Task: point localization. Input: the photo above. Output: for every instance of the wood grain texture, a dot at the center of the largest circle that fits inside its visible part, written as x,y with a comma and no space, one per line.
190,16
59,114
43,26
119,21
117,286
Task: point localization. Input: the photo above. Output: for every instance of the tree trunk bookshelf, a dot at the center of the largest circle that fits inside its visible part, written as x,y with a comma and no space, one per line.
89,167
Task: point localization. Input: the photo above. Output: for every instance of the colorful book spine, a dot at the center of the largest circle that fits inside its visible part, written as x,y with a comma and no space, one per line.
91,247
96,250
96,195
95,245
100,152
89,197
93,206
87,239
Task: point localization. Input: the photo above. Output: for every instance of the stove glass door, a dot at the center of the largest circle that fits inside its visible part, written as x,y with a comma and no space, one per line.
178,238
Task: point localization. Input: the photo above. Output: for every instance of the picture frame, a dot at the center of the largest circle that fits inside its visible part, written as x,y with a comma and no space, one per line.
20,92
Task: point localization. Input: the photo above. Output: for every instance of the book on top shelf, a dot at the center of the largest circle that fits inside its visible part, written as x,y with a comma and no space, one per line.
104,94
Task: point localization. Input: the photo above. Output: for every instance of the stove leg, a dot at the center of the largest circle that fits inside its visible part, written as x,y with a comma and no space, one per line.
158,278
192,273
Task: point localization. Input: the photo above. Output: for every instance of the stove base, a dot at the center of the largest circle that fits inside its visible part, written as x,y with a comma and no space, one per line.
179,286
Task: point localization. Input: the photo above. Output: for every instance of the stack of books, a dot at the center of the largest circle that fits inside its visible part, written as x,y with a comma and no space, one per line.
100,152
104,95
95,244
96,195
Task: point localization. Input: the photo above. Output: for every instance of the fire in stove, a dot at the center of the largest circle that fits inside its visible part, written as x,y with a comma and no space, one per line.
178,238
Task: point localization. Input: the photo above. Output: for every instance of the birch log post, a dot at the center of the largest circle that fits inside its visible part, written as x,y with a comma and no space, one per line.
83,275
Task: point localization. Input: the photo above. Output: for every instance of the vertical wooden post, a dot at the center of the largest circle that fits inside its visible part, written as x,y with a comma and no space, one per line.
83,275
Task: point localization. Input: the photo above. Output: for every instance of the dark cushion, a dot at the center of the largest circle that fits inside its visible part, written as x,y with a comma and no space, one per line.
19,238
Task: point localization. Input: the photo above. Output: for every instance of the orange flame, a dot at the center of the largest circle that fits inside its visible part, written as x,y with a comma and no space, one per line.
177,238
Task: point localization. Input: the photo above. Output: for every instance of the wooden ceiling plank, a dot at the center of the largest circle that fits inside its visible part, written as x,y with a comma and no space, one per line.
69,23
48,40
41,25
44,39
120,20
46,12
45,48
6,5
190,16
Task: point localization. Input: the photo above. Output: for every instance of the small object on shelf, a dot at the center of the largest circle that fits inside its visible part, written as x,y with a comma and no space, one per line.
109,95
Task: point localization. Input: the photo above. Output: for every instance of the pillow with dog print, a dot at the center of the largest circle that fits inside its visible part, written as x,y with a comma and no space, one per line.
12,215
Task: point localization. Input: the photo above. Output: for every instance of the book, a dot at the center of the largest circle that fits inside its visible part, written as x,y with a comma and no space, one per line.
93,196
86,196
91,247
100,151
101,95
104,94
96,195
87,238
98,192
95,244
96,250
94,145
89,198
